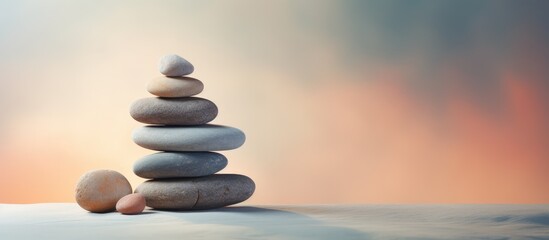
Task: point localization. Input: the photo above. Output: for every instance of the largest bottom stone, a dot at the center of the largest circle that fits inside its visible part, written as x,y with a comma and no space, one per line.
209,192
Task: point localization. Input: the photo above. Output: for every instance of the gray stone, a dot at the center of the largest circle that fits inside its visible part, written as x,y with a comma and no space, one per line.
175,66
179,164
175,86
173,111
206,137
209,192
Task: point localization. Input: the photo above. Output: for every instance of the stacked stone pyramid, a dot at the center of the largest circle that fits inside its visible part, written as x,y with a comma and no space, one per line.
183,173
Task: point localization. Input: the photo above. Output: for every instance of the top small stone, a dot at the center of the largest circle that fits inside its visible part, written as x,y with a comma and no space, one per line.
175,66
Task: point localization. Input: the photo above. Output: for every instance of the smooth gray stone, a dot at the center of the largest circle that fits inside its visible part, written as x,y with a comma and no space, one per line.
175,66
209,192
174,111
206,137
179,164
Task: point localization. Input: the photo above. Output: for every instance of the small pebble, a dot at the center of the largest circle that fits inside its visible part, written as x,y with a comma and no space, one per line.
131,204
175,66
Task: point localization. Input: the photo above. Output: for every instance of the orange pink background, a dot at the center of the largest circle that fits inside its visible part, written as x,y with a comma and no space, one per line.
341,101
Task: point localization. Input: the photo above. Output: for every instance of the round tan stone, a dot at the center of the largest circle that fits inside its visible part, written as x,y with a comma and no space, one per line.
100,190
173,87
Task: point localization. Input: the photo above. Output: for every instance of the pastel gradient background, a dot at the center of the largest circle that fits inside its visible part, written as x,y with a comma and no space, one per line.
341,101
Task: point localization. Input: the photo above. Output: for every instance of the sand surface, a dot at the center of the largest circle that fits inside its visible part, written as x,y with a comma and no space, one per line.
68,221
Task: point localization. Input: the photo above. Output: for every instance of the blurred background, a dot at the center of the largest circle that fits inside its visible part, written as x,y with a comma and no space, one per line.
341,101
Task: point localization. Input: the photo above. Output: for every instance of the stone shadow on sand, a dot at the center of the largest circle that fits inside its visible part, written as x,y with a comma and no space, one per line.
274,223
540,219
537,219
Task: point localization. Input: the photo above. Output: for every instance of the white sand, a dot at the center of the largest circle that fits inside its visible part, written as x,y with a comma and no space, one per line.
339,222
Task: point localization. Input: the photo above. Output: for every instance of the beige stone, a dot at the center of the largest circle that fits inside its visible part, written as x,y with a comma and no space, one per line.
100,190
173,87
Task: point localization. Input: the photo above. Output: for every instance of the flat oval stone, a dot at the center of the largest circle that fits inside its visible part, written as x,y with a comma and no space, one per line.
100,190
174,111
209,192
131,204
201,138
171,87
175,66
179,164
